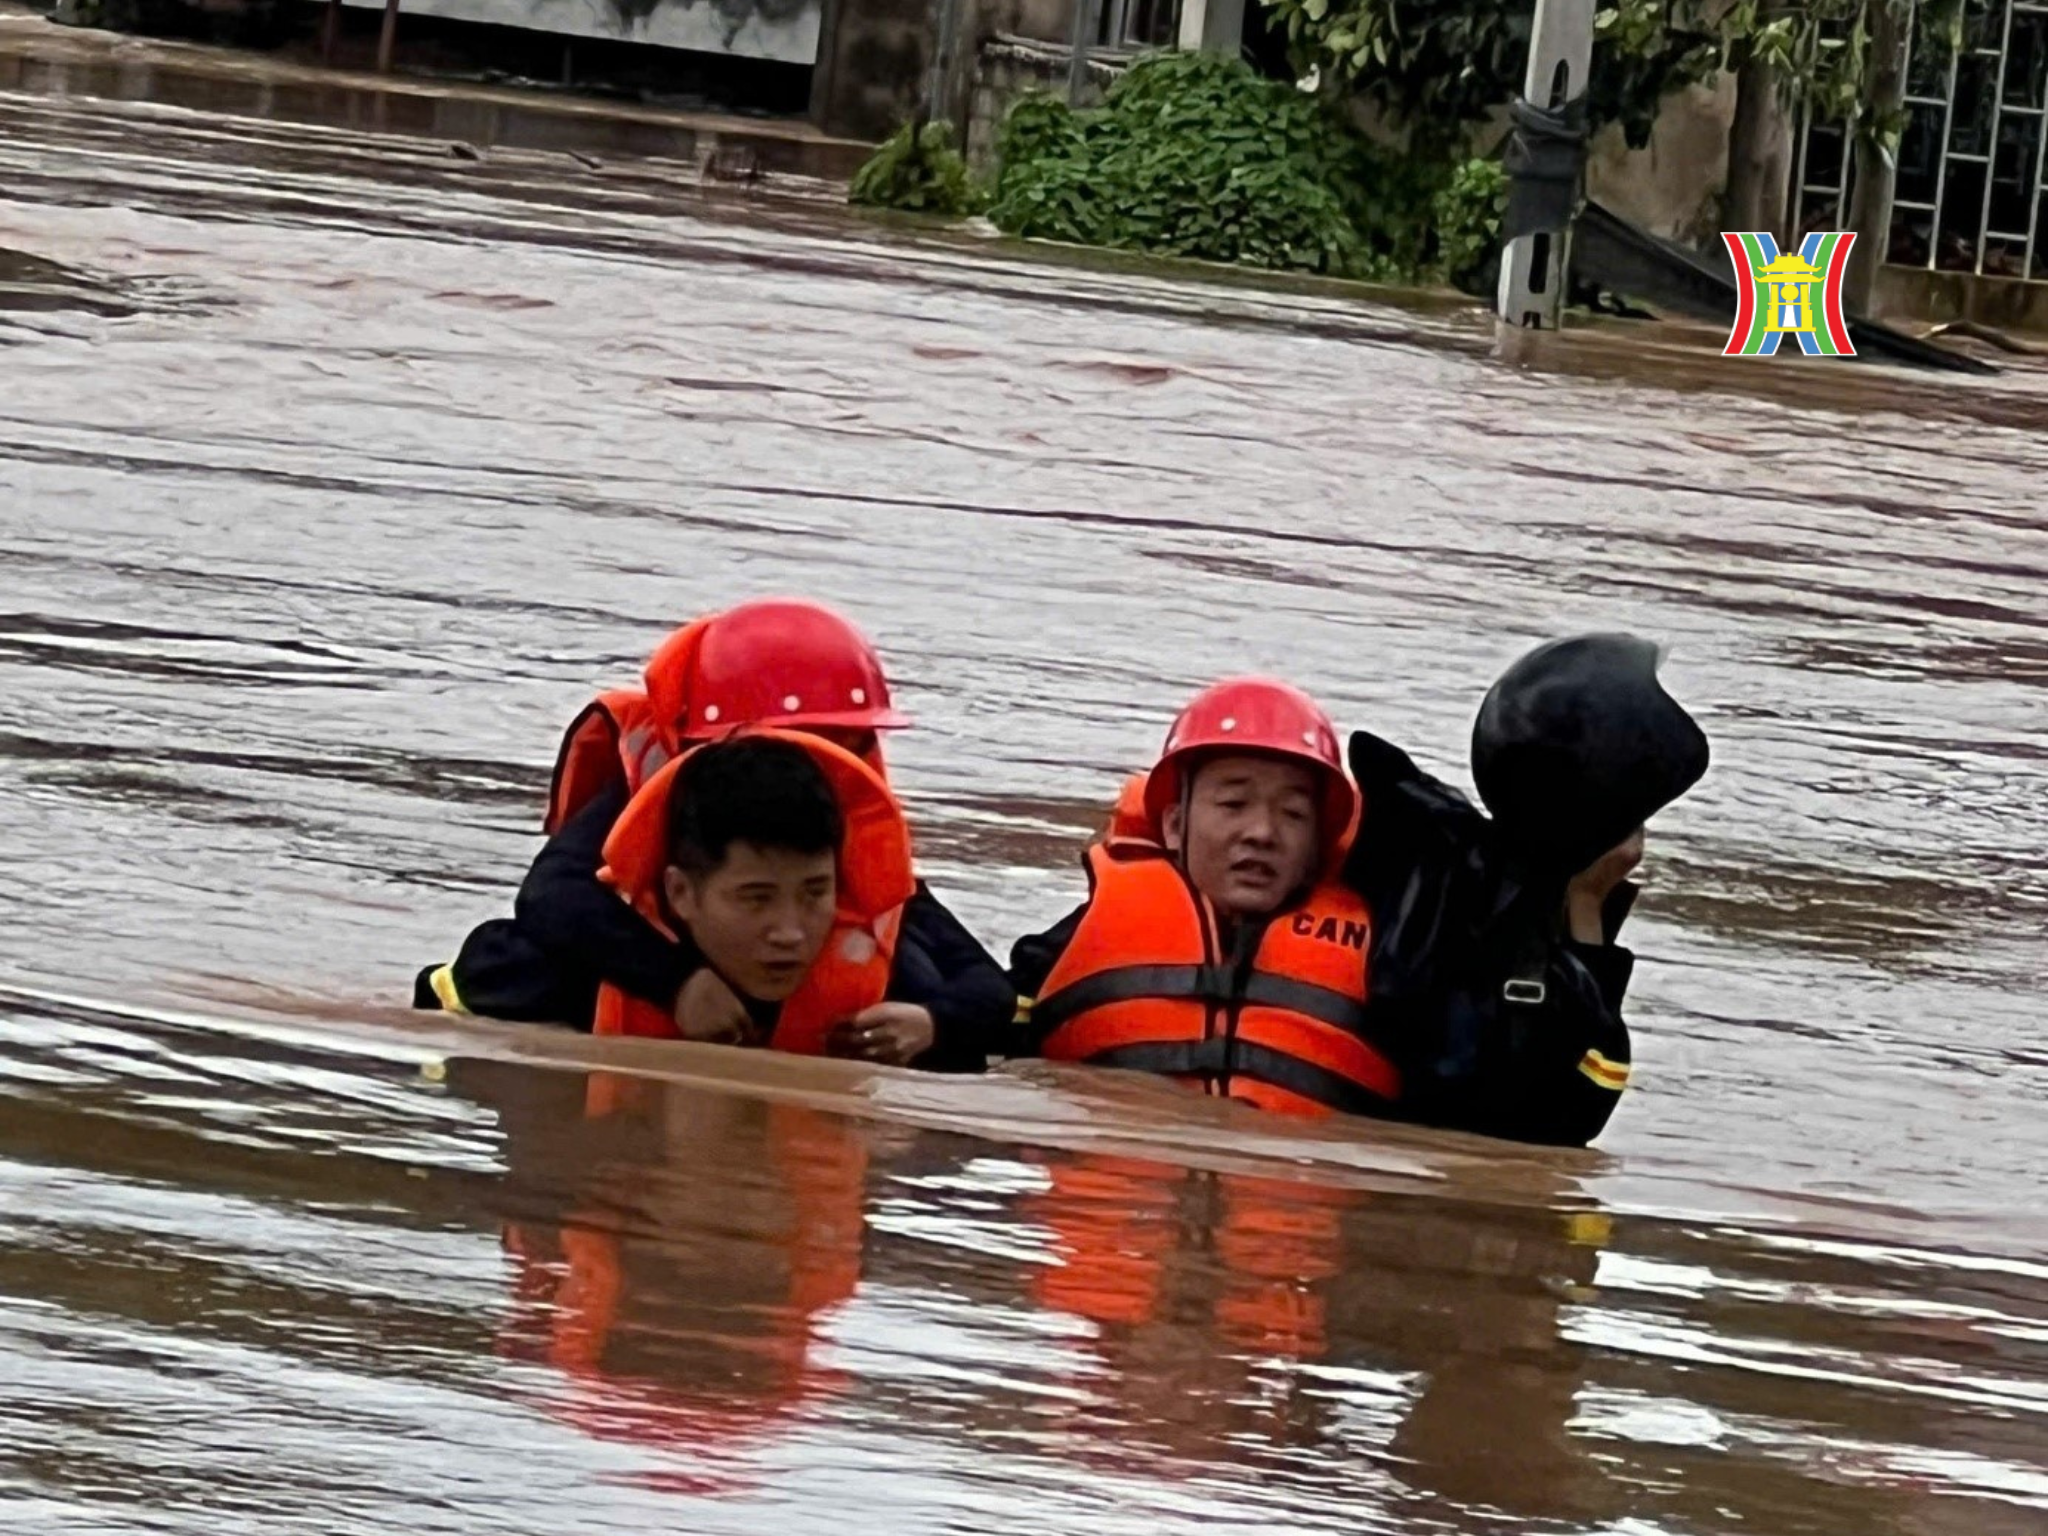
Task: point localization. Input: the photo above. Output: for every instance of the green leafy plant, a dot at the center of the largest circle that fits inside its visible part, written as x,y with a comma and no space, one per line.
1469,212
917,170
1820,50
1439,67
1193,154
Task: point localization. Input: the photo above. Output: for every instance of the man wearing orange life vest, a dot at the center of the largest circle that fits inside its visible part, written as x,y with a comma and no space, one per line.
1227,954
777,662
786,862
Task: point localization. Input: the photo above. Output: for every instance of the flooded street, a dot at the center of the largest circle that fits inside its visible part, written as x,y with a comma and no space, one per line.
335,473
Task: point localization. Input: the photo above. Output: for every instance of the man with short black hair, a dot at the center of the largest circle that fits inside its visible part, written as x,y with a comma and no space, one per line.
784,664
784,860
752,876
1223,954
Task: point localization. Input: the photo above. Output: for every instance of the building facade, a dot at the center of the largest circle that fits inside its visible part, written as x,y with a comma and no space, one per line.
1969,229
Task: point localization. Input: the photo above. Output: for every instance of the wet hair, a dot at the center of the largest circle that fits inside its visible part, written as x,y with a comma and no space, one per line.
767,793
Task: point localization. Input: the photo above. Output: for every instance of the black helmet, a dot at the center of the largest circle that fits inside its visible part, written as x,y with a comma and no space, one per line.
1578,744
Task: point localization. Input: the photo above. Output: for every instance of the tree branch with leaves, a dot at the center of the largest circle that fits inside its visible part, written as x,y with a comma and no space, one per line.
1440,68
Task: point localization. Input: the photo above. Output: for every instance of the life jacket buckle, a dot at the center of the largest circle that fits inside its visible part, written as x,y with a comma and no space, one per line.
1521,990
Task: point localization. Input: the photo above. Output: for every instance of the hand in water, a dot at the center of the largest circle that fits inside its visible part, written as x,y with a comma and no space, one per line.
709,1010
1587,894
892,1033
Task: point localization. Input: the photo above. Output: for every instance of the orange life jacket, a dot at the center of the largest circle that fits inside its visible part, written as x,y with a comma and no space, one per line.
1130,824
1144,985
627,734
1141,1243
607,1307
875,880
612,741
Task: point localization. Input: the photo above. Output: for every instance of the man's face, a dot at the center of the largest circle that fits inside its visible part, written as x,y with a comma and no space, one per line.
1249,834
761,918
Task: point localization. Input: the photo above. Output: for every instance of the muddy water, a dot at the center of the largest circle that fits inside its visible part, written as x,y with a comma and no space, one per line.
334,472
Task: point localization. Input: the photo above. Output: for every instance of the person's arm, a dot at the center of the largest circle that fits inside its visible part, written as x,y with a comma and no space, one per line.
1535,1050
1503,1003
1031,961
584,924
943,967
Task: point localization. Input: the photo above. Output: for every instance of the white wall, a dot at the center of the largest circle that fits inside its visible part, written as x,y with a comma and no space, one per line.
783,30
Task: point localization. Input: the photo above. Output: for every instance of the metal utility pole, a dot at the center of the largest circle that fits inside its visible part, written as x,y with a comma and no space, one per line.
1087,22
1212,26
1544,160
387,39
939,87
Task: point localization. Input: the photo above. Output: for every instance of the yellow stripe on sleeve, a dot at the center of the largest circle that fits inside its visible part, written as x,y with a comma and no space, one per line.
1612,1075
443,983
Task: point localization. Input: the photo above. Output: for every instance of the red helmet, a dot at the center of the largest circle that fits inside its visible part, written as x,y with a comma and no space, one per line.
786,662
1260,716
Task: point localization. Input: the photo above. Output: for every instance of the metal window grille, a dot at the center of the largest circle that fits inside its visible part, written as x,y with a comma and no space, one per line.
1139,23
1972,190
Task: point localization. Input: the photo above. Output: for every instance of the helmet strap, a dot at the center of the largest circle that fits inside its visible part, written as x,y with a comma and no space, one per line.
1187,815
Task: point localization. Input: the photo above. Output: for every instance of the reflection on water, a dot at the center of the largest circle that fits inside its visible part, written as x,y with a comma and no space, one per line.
335,473
459,1293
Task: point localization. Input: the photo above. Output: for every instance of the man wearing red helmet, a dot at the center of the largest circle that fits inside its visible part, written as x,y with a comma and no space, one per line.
1227,954
777,663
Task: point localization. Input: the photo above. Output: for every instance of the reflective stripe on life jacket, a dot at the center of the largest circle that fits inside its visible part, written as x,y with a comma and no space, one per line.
627,733
875,880
1144,985
442,980
612,741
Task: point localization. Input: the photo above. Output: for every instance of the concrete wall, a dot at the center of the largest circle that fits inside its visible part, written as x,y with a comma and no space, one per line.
1008,49
980,24
1673,186
1049,21
783,30
1914,293
875,67
1010,67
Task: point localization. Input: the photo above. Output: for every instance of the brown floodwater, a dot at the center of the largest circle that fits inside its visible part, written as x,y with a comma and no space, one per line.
336,471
